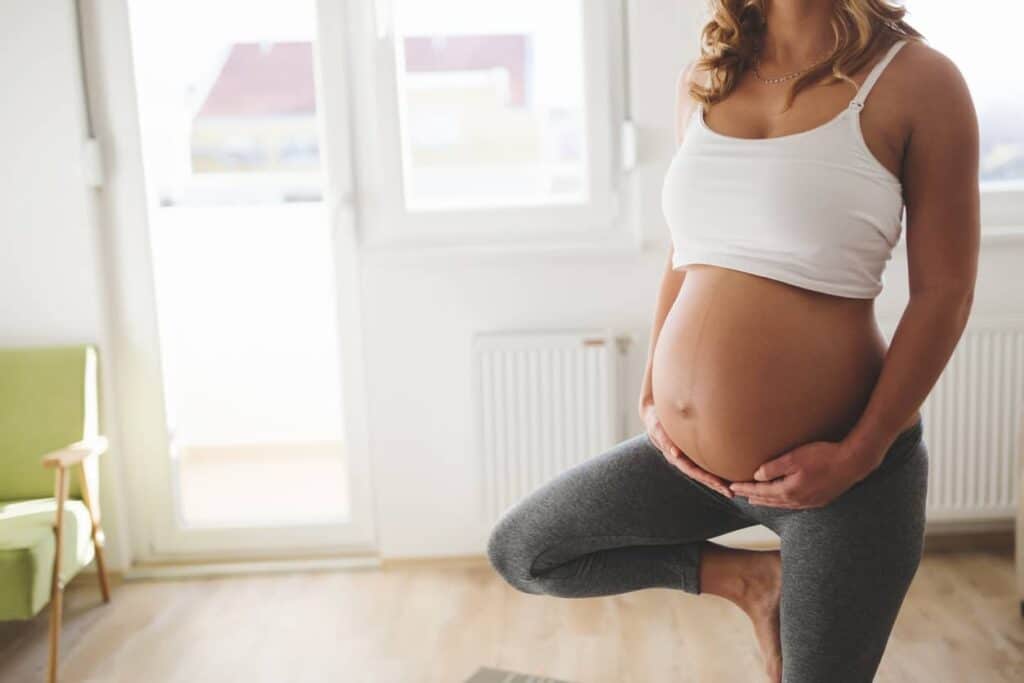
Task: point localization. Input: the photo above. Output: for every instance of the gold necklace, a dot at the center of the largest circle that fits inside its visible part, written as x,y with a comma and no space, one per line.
786,77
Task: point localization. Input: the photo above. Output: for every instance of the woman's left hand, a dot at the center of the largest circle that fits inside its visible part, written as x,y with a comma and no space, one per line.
808,476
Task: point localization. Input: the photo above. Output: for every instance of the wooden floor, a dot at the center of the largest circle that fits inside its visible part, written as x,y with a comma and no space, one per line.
423,622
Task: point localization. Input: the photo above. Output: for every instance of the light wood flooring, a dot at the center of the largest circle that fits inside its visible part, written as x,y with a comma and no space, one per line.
412,622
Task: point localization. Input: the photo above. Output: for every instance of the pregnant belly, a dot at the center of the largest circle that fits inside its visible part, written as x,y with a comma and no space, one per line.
746,368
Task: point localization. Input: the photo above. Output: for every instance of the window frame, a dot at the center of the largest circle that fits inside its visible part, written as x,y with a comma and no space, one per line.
383,219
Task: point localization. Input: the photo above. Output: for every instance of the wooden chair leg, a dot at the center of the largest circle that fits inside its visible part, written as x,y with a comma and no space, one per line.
56,609
101,567
56,585
98,538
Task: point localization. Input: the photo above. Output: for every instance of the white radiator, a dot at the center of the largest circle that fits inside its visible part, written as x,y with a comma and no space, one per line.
972,420
544,401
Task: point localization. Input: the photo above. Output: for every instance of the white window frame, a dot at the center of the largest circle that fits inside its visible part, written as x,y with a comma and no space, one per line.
383,218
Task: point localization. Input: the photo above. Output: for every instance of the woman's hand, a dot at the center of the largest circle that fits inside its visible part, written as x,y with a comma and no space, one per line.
659,437
808,476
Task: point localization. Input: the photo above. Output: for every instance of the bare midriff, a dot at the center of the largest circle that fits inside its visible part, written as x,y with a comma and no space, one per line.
746,367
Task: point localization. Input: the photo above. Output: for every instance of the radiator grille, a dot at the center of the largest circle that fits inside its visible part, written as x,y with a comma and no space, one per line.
545,401
972,420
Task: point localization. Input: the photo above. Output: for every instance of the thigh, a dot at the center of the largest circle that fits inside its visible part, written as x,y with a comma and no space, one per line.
627,495
846,569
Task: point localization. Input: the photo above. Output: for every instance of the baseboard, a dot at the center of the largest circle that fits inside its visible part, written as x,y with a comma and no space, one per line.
453,561
176,570
84,578
995,535
979,526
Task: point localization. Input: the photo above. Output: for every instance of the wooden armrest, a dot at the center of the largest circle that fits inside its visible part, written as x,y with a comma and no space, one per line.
75,453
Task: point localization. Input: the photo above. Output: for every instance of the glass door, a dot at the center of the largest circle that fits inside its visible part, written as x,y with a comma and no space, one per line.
254,277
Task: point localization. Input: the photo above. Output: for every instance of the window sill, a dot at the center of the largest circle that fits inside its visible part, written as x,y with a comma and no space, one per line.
1002,235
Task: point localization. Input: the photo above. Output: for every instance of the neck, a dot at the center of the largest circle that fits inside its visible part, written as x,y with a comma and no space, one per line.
797,32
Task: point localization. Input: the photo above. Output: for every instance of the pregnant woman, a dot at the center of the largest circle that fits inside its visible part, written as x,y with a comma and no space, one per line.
804,131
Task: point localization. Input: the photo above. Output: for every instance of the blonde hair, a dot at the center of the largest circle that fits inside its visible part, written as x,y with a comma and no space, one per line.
732,37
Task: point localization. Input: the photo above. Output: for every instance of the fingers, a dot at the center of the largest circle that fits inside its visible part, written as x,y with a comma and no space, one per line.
773,503
685,465
692,470
667,447
775,468
778,493
664,444
778,489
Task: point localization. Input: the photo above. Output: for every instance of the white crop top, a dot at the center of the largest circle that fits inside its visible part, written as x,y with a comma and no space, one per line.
813,209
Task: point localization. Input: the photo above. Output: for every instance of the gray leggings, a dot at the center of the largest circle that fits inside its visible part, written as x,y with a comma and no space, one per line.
627,519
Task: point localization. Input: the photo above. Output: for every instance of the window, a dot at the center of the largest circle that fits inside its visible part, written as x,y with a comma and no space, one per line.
492,108
976,37
232,108
492,119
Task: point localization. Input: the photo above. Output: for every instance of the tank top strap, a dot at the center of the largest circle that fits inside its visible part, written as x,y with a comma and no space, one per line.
858,101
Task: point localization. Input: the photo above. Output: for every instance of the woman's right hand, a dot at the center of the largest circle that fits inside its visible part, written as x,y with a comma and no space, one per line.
659,437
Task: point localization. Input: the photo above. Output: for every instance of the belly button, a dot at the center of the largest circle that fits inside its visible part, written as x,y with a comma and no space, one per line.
685,408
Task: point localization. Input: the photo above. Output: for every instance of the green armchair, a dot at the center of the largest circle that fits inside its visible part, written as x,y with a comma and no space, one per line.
49,520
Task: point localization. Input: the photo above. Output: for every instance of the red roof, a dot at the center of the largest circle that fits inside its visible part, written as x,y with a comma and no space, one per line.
468,52
257,80
277,78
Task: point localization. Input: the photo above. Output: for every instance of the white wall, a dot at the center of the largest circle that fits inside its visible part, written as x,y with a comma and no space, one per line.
419,310
48,271
51,278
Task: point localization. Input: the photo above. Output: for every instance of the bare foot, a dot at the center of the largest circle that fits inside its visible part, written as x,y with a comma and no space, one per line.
759,598
752,580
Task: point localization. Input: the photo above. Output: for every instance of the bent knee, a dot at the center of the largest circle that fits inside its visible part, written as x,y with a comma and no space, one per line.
511,556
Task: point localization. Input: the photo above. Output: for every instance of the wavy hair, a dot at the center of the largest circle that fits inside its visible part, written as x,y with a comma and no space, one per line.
733,36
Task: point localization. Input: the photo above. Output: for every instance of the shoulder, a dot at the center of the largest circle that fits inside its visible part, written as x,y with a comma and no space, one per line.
931,82
684,101
930,69
942,152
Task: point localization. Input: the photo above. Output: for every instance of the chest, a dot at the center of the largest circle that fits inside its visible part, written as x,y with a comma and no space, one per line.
755,111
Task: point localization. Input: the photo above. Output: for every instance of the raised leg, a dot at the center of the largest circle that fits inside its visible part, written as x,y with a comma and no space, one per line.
620,521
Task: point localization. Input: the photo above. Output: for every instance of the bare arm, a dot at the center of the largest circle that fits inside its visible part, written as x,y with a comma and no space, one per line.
940,181
671,280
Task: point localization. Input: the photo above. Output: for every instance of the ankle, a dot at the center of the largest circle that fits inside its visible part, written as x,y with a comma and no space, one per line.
723,572
737,575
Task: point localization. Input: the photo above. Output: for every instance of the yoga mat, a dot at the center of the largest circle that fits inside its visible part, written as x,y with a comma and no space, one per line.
486,675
